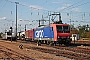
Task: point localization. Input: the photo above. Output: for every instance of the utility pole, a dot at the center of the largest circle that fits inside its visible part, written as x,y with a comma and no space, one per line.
49,14
42,20
49,20
25,27
70,25
16,19
39,23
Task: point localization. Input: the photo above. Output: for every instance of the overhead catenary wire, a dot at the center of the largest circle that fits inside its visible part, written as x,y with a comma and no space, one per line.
44,3
83,16
51,11
75,6
29,6
38,13
82,4
3,6
72,5
78,5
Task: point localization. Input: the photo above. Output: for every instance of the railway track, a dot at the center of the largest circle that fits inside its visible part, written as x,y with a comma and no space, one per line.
87,42
75,53
64,53
9,54
5,55
80,50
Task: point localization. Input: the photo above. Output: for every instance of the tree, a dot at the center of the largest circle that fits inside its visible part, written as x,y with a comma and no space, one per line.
88,34
72,27
83,30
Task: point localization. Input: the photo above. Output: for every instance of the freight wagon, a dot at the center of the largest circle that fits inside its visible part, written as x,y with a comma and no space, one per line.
29,34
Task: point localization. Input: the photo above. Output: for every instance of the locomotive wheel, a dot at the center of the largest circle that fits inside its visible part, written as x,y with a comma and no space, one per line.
48,42
38,43
52,43
45,42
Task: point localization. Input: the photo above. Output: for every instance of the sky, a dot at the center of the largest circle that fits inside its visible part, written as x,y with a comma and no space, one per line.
75,12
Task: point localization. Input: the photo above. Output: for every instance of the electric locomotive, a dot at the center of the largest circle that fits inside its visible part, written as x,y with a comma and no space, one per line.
52,34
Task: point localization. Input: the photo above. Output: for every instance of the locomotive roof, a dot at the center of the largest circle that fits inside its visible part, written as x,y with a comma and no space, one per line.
50,25
42,26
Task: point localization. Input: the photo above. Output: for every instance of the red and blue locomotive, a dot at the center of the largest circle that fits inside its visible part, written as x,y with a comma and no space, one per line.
51,34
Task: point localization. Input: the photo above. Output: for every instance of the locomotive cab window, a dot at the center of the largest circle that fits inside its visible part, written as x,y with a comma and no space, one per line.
59,28
66,29
63,29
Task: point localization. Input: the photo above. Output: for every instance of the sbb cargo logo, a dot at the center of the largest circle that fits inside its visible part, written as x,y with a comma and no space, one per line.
39,34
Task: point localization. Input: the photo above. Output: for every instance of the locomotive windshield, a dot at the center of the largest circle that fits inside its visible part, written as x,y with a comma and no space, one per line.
59,29
64,29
